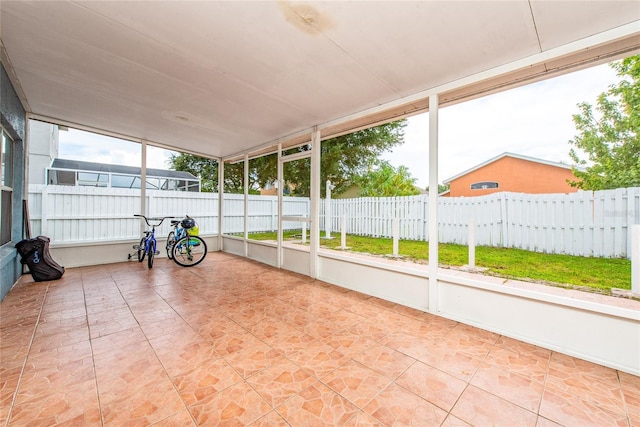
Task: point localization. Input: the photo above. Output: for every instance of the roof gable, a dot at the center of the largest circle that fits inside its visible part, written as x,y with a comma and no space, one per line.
512,155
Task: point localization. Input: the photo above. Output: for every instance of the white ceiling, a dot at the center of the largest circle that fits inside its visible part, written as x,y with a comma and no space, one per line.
221,77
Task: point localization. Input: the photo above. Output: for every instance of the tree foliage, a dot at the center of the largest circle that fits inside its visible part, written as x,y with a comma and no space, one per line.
343,159
610,136
386,181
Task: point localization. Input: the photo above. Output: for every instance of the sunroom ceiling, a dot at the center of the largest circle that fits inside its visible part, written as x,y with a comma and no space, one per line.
221,77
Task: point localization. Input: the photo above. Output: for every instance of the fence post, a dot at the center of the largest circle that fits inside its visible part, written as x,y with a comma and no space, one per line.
343,232
304,230
505,220
396,232
472,244
44,206
635,259
327,210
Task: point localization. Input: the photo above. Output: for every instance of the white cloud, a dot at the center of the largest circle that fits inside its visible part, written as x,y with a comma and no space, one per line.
91,147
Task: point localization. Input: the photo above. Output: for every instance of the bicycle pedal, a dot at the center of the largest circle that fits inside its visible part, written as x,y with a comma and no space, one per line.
157,253
136,247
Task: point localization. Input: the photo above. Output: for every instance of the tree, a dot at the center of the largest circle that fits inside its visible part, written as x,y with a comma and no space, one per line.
347,157
343,159
386,181
441,188
611,138
207,170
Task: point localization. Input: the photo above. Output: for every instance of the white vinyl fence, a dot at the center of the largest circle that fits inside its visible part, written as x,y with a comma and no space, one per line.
85,214
583,223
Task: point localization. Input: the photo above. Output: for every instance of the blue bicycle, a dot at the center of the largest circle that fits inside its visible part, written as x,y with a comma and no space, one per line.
148,243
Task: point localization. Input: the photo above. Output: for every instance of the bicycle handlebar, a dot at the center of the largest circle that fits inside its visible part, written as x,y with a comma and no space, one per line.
153,219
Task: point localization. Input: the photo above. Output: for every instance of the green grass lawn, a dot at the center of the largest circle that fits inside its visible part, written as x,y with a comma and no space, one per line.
596,274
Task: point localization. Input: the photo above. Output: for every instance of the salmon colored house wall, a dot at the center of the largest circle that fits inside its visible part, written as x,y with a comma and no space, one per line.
517,175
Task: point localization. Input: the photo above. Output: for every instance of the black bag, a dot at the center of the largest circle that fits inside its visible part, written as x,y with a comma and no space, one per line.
35,253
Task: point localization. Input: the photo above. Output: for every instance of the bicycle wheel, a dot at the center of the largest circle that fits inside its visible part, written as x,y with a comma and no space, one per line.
171,240
141,249
152,253
189,251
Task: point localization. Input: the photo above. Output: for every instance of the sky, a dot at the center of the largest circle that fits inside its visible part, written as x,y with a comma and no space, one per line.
533,120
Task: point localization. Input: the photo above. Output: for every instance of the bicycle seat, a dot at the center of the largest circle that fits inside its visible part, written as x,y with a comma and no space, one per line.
174,222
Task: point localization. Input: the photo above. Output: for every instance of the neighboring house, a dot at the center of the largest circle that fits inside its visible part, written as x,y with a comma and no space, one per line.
44,141
512,172
88,174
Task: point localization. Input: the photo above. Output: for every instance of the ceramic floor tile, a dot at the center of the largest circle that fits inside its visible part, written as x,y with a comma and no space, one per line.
544,422
384,360
107,343
362,419
278,383
356,382
349,343
272,419
531,365
205,379
317,357
453,421
433,385
588,382
186,352
170,346
522,347
236,405
442,357
468,343
76,405
237,340
631,392
569,410
181,418
40,358
141,404
504,383
317,405
480,408
408,344
272,330
396,406
251,360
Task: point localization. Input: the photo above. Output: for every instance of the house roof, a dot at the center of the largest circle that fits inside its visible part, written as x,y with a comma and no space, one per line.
120,169
221,78
507,154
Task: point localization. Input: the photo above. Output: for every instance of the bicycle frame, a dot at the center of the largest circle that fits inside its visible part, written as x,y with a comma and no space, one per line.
183,248
149,240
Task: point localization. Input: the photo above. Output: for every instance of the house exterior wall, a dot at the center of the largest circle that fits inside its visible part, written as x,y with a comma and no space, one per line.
13,119
516,175
43,148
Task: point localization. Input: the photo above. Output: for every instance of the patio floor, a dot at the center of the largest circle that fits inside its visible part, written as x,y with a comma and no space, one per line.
236,342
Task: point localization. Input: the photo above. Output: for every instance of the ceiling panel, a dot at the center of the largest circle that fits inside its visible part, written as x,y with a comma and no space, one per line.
218,77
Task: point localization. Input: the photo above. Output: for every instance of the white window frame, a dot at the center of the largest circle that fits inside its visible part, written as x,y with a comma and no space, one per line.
8,157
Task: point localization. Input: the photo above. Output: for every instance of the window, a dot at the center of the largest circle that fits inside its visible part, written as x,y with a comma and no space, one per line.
125,181
93,179
6,170
484,185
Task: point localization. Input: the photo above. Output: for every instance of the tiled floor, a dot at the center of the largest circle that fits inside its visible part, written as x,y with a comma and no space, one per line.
234,342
